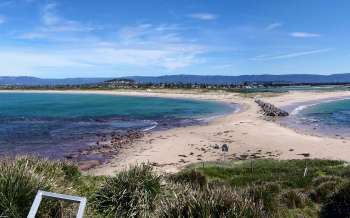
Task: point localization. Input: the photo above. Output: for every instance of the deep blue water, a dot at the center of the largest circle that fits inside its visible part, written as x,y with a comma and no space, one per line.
331,117
52,124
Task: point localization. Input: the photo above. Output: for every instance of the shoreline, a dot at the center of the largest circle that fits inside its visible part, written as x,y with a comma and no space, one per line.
247,133
107,145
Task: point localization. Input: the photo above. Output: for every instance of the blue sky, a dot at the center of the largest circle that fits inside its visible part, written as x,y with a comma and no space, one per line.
107,38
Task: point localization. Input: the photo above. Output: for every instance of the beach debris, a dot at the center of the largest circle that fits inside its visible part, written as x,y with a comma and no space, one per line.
271,110
243,156
224,148
304,154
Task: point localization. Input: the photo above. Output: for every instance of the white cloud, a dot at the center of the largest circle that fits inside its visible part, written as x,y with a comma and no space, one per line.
159,45
290,55
52,24
304,35
273,26
203,16
75,45
143,45
2,19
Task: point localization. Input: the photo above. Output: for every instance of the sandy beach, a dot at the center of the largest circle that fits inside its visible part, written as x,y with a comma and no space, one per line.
247,133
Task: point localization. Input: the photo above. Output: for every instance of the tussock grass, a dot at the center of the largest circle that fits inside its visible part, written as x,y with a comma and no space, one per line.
22,177
221,201
131,193
293,199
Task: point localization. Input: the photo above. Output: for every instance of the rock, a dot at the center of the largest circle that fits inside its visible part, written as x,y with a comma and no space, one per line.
271,110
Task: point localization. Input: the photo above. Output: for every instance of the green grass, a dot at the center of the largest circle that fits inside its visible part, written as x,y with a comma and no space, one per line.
280,185
288,173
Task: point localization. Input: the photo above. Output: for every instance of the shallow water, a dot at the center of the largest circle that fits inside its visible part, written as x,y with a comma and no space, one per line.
54,124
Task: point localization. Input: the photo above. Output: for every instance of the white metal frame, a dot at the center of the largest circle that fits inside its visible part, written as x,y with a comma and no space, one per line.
70,198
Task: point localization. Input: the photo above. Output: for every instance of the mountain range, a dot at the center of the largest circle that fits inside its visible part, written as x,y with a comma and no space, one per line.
201,79
35,81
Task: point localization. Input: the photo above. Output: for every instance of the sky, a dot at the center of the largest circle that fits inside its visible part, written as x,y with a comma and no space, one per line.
112,38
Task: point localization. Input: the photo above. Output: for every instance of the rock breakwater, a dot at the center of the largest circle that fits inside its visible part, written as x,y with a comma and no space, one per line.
271,110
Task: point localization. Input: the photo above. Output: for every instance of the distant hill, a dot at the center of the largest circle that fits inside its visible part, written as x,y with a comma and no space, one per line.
34,81
290,78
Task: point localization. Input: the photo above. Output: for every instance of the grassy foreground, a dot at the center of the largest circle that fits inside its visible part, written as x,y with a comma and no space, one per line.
259,188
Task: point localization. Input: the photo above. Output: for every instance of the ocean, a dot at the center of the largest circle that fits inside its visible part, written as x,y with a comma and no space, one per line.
56,124
329,117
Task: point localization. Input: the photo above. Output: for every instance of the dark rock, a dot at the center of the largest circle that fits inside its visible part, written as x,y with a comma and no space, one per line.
271,110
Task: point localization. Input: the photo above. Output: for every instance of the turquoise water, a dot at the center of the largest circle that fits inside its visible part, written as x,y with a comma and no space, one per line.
59,123
330,117
34,105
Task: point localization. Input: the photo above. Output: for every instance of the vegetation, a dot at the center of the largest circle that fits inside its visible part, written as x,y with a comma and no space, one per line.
338,204
130,193
22,177
220,201
245,89
262,188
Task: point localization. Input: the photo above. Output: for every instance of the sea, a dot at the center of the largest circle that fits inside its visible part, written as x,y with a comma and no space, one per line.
329,117
56,124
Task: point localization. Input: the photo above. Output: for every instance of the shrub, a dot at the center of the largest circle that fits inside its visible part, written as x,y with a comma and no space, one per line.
184,201
193,177
267,194
338,204
71,171
294,199
322,179
326,189
131,193
325,186
21,178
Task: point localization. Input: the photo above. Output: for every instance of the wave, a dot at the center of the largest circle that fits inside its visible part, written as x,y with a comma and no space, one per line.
300,108
155,124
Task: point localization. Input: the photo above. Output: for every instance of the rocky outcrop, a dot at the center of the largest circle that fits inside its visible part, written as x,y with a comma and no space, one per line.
105,148
271,110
